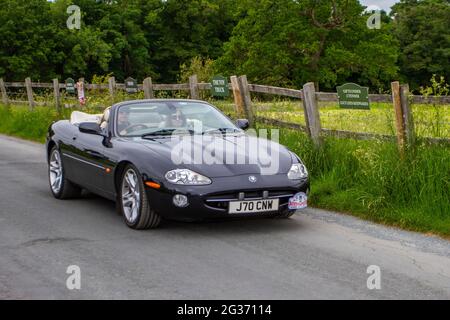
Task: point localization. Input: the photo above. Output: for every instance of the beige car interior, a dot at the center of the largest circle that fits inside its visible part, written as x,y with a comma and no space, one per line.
102,119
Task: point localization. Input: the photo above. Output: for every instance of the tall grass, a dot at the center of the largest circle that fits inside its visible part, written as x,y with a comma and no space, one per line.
21,122
370,179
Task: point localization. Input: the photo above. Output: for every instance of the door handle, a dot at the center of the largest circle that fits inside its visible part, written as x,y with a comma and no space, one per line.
94,154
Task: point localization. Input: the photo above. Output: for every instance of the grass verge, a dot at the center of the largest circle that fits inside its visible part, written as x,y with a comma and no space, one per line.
369,179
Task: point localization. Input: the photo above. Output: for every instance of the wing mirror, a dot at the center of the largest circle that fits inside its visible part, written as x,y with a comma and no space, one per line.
90,127
242,124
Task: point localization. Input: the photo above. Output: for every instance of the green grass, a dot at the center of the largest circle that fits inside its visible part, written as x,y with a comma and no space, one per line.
430,121
370,180
367,179
20,122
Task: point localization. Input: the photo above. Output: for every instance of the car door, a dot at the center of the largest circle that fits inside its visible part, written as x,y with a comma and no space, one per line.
89,164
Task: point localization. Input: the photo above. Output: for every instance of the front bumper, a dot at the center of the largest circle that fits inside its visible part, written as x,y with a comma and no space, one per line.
211,201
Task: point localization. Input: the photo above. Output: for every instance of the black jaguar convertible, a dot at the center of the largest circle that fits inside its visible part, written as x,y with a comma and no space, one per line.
174,159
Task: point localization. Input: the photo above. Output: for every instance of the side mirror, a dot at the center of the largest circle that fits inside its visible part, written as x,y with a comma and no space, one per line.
90,127
242,124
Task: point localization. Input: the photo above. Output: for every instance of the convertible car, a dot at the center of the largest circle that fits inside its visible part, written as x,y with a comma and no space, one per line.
174,159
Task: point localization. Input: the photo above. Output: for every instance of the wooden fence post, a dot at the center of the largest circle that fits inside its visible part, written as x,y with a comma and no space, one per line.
193,86
305,112
238,103
3,90
312,115
111,87
247,100
56,93
407,115
399,122
148,88
29,92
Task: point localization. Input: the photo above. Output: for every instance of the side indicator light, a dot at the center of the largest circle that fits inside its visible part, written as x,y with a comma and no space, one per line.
153,185
108,170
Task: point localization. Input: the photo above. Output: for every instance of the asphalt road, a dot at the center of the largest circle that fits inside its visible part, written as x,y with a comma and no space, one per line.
314,255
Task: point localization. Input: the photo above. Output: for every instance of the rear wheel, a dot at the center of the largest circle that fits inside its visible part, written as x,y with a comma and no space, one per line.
134,204
61,187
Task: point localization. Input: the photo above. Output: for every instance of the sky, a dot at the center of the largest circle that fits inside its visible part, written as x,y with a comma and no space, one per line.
383,4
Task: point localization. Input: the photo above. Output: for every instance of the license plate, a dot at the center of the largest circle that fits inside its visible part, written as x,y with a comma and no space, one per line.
253,206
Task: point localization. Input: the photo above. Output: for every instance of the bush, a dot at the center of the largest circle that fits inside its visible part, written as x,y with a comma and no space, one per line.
203,68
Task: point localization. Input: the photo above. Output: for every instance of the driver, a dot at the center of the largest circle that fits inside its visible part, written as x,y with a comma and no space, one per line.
176,120
123,120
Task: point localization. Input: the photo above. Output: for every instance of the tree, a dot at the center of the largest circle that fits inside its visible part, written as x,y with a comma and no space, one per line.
136,38
178,30
422,28
27,40
290,42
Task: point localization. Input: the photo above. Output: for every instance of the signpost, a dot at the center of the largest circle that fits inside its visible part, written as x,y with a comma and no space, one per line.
131,85
70,86
353,96
219,87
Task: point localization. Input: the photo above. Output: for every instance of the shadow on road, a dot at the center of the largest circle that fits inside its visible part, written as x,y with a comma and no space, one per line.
101,206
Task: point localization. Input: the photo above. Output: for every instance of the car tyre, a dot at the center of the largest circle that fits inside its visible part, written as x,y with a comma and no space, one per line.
133,201
61,187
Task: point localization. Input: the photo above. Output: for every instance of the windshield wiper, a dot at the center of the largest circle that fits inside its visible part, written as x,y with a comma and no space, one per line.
166,132
221,130
162,132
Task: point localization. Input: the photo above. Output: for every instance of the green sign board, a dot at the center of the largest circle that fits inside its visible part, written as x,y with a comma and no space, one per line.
70,85
219,87
353,96
131,85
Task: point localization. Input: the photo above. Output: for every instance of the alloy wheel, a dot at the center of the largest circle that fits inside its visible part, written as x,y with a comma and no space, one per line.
55,171
131,197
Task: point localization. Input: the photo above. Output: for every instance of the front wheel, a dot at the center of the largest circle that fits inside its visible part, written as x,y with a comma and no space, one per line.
134,204
61,187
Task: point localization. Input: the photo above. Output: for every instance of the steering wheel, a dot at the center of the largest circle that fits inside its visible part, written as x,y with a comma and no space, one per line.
133,126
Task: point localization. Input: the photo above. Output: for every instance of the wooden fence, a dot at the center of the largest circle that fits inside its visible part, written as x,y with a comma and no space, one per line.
241,90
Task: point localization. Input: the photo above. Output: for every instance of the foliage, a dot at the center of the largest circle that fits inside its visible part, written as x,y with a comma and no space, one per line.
368,179
289,43
422,28
438,87
101,79
137,38
283,42
203,68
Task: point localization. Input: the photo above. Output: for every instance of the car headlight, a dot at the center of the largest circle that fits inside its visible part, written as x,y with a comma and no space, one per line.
185,176
298,171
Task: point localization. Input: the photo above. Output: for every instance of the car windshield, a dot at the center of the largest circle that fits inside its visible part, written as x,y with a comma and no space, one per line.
164,118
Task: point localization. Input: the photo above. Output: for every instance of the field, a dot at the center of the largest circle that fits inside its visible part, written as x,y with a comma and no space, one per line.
429,120
364,178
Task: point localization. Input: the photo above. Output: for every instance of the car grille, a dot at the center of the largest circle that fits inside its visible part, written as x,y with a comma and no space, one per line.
220,201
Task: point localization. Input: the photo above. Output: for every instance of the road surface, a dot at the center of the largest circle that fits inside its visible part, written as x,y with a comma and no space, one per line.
314,255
